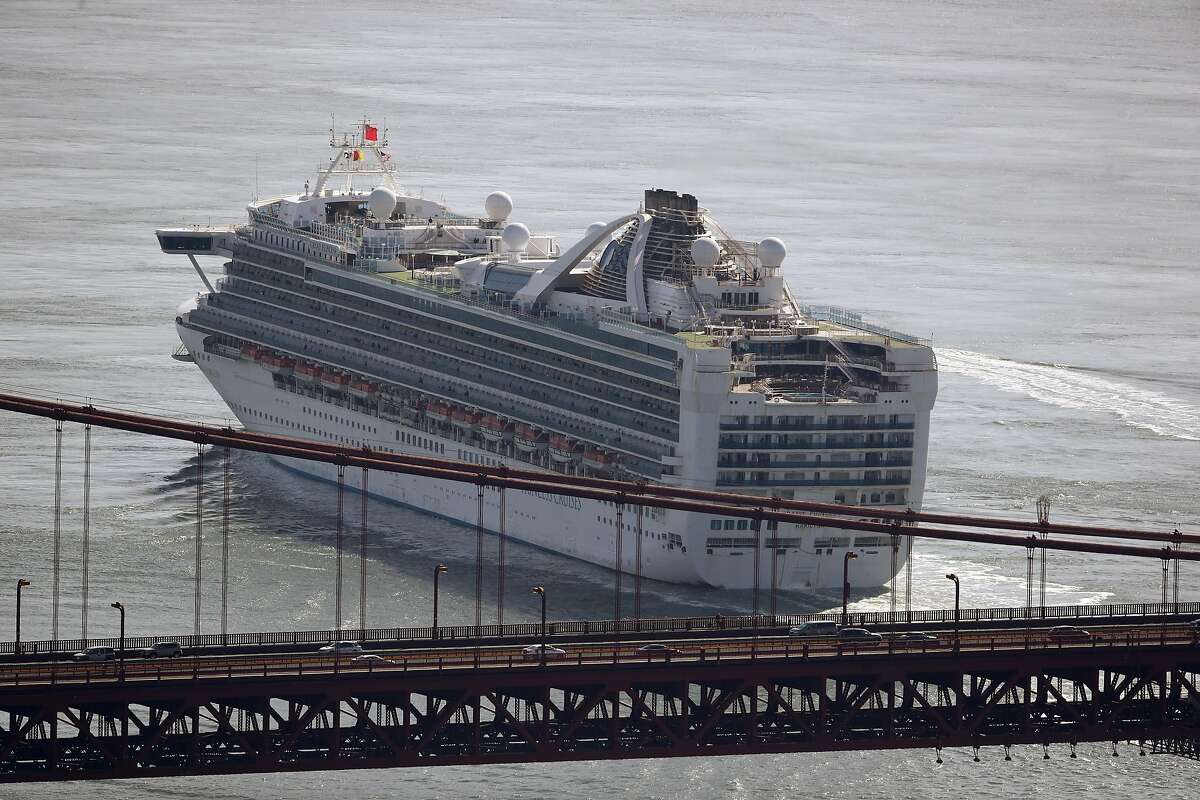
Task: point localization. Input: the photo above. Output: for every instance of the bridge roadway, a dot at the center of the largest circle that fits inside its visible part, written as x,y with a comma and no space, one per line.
717,646
724,694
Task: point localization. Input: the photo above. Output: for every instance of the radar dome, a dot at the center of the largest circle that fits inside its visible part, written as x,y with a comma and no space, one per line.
594,229
498,206
705,252
382,203
771,252
516,237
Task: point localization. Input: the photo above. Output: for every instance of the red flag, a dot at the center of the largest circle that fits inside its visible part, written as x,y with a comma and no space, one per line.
371,133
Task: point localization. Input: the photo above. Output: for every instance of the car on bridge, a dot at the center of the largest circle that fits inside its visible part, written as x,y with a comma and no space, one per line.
657,650
371,659
341,648
860,636
1068,633
164,650
535,652
819,629
95,654
916,637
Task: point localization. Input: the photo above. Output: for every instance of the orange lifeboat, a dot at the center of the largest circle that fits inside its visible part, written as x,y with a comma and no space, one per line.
335,381
464,419
438,412
308,372
280,365
599,460
363,389
528,439
250,351
563,449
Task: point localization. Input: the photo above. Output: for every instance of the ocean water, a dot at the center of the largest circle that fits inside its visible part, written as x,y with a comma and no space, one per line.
1018,180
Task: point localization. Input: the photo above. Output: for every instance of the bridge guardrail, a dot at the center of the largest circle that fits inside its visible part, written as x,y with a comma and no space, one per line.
531,630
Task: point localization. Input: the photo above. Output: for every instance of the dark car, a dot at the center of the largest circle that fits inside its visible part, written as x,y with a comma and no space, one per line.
652,650
916,636
858,636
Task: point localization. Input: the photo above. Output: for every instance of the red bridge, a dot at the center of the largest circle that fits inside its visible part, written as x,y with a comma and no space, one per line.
717,686
719,693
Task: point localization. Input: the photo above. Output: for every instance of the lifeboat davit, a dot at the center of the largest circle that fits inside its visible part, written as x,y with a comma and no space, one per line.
494,429
438,412
528,439
563,449
464,420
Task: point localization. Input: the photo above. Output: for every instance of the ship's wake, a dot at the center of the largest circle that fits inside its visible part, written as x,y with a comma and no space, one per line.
1067,387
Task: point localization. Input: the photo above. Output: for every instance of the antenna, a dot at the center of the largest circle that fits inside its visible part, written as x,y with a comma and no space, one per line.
256,176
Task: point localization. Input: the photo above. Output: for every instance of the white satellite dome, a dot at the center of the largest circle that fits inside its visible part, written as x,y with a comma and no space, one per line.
516,237
594,230
382,203
498,206
705,252
771,252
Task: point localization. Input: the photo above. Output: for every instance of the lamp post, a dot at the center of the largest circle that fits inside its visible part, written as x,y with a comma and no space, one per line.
21,584
953,577
121,652
540,591
846,586
438,571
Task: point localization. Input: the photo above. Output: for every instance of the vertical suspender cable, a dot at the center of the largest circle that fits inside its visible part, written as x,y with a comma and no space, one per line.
617,557
87,524
362,556
338,536
225,549
637,568
757,525
895,573
1178,546
908,570
54,606
199,567
479,560
772,601
500,554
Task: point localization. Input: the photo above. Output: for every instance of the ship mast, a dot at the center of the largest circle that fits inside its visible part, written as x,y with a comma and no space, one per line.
358,153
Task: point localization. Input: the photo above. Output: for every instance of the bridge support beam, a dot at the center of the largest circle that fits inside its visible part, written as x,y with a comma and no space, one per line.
374,718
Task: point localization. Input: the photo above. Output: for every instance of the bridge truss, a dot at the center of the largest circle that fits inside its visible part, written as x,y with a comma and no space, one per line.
564,712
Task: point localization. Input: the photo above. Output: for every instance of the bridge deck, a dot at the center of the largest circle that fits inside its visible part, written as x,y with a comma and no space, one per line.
729,694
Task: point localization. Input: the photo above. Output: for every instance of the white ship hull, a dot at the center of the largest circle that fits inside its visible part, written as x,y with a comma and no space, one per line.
580,528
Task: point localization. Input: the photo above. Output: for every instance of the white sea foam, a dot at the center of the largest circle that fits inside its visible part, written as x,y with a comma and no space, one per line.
1067,387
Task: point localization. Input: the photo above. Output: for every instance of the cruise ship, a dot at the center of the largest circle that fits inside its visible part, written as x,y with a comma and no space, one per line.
656,348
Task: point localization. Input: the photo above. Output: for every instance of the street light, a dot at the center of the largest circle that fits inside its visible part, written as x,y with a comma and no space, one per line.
541,592
438,571
21,584
846,585
953,577
121,652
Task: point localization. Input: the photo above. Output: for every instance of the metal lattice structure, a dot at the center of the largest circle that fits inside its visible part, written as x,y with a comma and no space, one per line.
565,712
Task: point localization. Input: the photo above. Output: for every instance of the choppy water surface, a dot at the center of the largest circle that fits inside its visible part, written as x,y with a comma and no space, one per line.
1019,180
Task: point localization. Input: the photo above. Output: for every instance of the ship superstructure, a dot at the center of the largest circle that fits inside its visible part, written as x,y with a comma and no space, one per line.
656,347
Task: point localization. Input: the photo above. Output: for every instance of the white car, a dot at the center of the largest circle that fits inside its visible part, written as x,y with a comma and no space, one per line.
371,658
96,654
341,648
534,652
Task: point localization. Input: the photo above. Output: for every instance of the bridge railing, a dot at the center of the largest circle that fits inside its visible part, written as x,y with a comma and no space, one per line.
665,625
